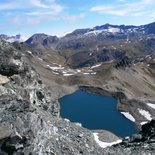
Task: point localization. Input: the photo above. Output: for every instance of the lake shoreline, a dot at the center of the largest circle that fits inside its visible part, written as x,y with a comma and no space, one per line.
123,103
99,116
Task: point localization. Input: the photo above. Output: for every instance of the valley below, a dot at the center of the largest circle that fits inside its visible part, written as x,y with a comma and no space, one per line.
132,86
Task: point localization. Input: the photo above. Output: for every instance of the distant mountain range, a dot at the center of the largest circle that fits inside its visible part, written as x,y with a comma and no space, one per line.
98,33
84,47
31,86
19,38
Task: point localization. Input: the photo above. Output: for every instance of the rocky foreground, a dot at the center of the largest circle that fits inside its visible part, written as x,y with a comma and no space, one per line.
29,117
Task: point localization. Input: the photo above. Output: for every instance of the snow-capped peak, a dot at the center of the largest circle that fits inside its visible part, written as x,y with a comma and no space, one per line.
113,30
109,29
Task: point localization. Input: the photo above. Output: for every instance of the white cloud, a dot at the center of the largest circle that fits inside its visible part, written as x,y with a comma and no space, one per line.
41,13
139,14
138,5
140,8
30,4
7,6
38,3
122,1
46,9
73,18
54,9
33,21
43,3
48,6
15,20
32,12
124,7
147,1
153,14
109,10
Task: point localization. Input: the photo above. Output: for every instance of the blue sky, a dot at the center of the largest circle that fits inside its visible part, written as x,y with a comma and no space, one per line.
62,16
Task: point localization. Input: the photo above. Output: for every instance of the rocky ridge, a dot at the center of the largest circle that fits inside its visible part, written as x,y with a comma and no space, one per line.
86,47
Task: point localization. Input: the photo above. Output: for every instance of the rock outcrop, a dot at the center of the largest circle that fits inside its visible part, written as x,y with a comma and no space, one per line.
142,143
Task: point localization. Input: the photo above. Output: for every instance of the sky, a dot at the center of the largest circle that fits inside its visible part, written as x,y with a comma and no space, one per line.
58,17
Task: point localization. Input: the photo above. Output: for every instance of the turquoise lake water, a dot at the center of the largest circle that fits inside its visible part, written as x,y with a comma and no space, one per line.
95,112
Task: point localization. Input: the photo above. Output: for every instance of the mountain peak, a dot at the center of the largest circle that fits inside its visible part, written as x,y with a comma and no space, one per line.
41,39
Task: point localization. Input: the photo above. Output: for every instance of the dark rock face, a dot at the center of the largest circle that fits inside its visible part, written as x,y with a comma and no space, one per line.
19,100
10,65
148,131
146,135
36,38
42,39
50,40
40,44
142,143
125,62
150,28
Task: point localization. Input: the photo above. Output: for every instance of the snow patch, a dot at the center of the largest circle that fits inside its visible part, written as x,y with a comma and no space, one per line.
78,124
67,120
40,59
29,52
113,30
55,68
94,32
151,105
105,144
17,134
59,69
67,74
55,73
129,116
142,123
145,113
109,29
78,70
94,73
95,66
